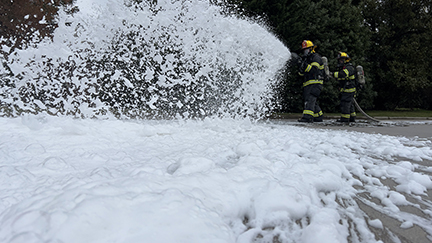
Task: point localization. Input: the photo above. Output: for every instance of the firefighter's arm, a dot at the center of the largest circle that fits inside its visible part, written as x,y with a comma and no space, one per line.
334,75
296,59
312,67
344,74
303,67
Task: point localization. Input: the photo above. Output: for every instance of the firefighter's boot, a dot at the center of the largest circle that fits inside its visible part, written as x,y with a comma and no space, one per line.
304,119
343,119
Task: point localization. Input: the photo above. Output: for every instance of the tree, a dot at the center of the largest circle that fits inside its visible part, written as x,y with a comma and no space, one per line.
24,21
401,51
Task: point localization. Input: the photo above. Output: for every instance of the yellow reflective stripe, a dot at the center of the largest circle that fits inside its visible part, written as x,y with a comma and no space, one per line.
309,66
317,65
308,112
318,114
345,115
348,90
312,81
336,75
346,72
353,114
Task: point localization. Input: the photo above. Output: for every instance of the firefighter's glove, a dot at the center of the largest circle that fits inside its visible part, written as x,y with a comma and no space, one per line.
296,59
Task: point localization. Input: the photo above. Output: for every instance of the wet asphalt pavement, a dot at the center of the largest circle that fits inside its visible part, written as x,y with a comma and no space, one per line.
419,127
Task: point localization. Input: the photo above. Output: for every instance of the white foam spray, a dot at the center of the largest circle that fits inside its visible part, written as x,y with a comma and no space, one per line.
163,60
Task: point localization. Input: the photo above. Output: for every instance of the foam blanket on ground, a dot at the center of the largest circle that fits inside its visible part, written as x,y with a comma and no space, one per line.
213,180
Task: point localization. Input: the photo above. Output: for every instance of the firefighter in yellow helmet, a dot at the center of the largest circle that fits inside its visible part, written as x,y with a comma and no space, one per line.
347,85
312,69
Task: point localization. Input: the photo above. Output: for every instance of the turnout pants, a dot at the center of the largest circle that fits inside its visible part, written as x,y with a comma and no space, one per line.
311,108
347,106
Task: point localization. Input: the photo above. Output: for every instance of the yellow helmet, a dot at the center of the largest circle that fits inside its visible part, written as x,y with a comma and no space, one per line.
307,44
344,56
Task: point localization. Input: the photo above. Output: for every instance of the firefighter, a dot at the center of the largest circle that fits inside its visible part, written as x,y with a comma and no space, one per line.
312,69
347,86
